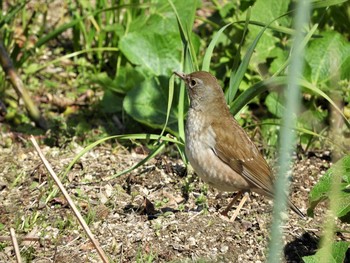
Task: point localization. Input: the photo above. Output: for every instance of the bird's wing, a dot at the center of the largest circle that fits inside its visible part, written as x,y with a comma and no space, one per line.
234,147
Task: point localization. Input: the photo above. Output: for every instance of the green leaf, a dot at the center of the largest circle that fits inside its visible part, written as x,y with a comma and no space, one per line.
313,88
111,102
321,190
328,57
187,12
126,79
155,43
159,52
237,78
269,131
280,57
147,103
265,11
253,91
209,51
313,118
185,20
274,104
326,3
337,256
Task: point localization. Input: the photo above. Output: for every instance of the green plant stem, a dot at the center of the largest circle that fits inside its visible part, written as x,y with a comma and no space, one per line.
287,134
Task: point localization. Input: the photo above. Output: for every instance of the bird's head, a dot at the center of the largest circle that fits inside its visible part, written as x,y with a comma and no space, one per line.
203,89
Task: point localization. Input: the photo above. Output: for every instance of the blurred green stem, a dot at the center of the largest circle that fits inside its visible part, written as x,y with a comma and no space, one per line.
287,135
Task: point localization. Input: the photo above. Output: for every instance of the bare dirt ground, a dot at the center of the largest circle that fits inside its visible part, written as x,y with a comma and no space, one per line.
156,213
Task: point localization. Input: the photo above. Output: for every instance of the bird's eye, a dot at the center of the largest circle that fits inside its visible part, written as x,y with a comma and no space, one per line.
193,82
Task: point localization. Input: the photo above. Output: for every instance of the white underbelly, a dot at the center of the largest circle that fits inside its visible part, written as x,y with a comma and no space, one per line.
208,166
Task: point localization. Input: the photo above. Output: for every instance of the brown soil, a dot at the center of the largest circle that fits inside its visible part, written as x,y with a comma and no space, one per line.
144,216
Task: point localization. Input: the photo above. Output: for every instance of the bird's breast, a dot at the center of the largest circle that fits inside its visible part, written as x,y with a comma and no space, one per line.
200,145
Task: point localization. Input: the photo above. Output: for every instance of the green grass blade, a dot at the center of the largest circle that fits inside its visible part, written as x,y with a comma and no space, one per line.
209,52
11,13
152,154
120,137
262,86
302,45
74,54
185,35
311,87
181,112
170,102
53,34
280,29
256,89
303,131
164,139
236,60
236,81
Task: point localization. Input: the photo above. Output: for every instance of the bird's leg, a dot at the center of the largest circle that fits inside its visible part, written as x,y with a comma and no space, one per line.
219,195
229,206
239,207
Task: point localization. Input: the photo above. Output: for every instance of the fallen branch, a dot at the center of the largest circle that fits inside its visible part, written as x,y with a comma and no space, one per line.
21,91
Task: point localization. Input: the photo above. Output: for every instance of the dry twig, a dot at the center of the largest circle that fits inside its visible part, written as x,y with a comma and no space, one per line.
70,202
15,245
21,91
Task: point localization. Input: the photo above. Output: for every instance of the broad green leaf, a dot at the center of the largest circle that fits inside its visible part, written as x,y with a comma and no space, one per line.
111,102
280,57
274,104
147,103
313,118
126,79
321,190
155,43
154,48
269,130
337,256
326,3
265,11
328,57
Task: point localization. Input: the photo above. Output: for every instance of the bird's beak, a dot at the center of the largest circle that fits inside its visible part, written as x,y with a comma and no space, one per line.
180,75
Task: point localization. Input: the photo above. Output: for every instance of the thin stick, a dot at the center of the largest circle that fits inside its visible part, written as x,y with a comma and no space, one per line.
70,201
15,245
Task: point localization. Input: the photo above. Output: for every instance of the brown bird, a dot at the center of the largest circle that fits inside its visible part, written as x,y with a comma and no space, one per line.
219,150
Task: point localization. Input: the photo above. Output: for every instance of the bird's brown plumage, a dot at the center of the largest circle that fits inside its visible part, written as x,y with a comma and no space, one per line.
219,150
